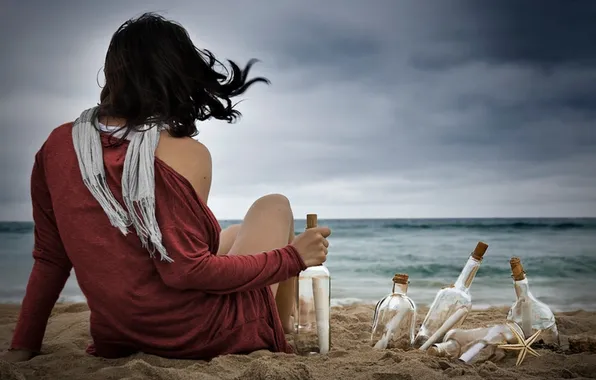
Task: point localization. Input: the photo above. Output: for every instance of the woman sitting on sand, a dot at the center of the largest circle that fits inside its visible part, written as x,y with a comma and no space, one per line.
121,196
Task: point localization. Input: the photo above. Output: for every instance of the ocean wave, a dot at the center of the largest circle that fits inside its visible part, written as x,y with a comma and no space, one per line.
364,227
491,225
16,227
429,271
538,268
483,304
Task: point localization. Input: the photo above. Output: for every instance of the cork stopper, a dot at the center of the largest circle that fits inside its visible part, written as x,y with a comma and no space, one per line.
479,250
311,220
401,278
517,269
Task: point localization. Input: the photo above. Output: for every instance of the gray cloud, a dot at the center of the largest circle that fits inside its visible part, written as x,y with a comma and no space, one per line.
410,108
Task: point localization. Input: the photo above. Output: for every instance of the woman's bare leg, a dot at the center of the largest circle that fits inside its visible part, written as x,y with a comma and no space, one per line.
227,238
269,224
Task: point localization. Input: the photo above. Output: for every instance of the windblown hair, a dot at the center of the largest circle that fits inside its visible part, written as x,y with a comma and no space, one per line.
154,73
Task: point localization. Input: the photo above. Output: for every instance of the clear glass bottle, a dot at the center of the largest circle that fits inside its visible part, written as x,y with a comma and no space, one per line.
473,345
528,312
455,341
487,347
313,307
394,319
451,304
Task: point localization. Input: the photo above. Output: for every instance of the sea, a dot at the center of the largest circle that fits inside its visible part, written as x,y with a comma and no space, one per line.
559,256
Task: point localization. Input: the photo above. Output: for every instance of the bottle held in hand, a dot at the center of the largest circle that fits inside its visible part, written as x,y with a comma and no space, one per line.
528,312
451,304
313,307
394,319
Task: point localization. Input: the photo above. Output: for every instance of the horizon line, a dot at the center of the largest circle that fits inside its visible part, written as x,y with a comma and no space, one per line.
395,218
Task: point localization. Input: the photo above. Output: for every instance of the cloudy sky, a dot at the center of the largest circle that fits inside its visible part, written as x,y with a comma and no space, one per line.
377,108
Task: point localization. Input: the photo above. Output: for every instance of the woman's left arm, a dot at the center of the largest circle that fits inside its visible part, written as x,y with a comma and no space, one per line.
51,267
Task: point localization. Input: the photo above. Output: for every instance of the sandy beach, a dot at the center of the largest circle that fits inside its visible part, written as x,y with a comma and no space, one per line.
351,357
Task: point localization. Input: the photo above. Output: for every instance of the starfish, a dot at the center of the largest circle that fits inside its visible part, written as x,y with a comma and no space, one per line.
523,346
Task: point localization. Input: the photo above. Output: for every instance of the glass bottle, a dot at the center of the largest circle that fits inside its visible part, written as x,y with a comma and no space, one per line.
451,304
455,340
471,345
487,347
394,319
528,312
313,306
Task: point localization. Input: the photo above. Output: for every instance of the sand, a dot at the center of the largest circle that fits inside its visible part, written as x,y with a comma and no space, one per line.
351,357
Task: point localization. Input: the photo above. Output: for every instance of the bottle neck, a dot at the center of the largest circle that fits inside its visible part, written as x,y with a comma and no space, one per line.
522,289
309,225
468,274
307,228
400,288
449,348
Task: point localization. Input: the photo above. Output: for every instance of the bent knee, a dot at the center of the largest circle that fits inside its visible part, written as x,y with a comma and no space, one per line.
232,229
277,200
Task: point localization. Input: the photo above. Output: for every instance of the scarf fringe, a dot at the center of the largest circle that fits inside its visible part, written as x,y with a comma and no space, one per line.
138,180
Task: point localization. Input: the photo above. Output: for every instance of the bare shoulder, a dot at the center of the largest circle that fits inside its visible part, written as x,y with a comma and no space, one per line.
190,158
186,146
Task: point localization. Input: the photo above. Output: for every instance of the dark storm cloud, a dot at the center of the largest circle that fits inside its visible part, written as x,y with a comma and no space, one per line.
544,33
494,106
507,90
316,42
410,103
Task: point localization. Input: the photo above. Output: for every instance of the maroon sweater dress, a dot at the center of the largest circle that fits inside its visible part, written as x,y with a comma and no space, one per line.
197,307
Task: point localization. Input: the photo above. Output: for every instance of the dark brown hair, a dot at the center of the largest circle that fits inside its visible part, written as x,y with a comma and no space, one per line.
154,73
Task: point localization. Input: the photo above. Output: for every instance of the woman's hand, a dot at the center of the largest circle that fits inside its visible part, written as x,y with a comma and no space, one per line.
312,245
15,356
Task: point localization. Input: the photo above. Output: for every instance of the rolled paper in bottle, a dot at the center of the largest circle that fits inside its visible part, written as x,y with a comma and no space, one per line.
390,329
321,295
498,334
526,315
448,325
471,353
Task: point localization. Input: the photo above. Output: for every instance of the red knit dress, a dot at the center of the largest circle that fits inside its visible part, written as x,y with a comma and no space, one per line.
198,307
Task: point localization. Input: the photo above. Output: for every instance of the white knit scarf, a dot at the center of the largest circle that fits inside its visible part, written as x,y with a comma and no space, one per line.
138,178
